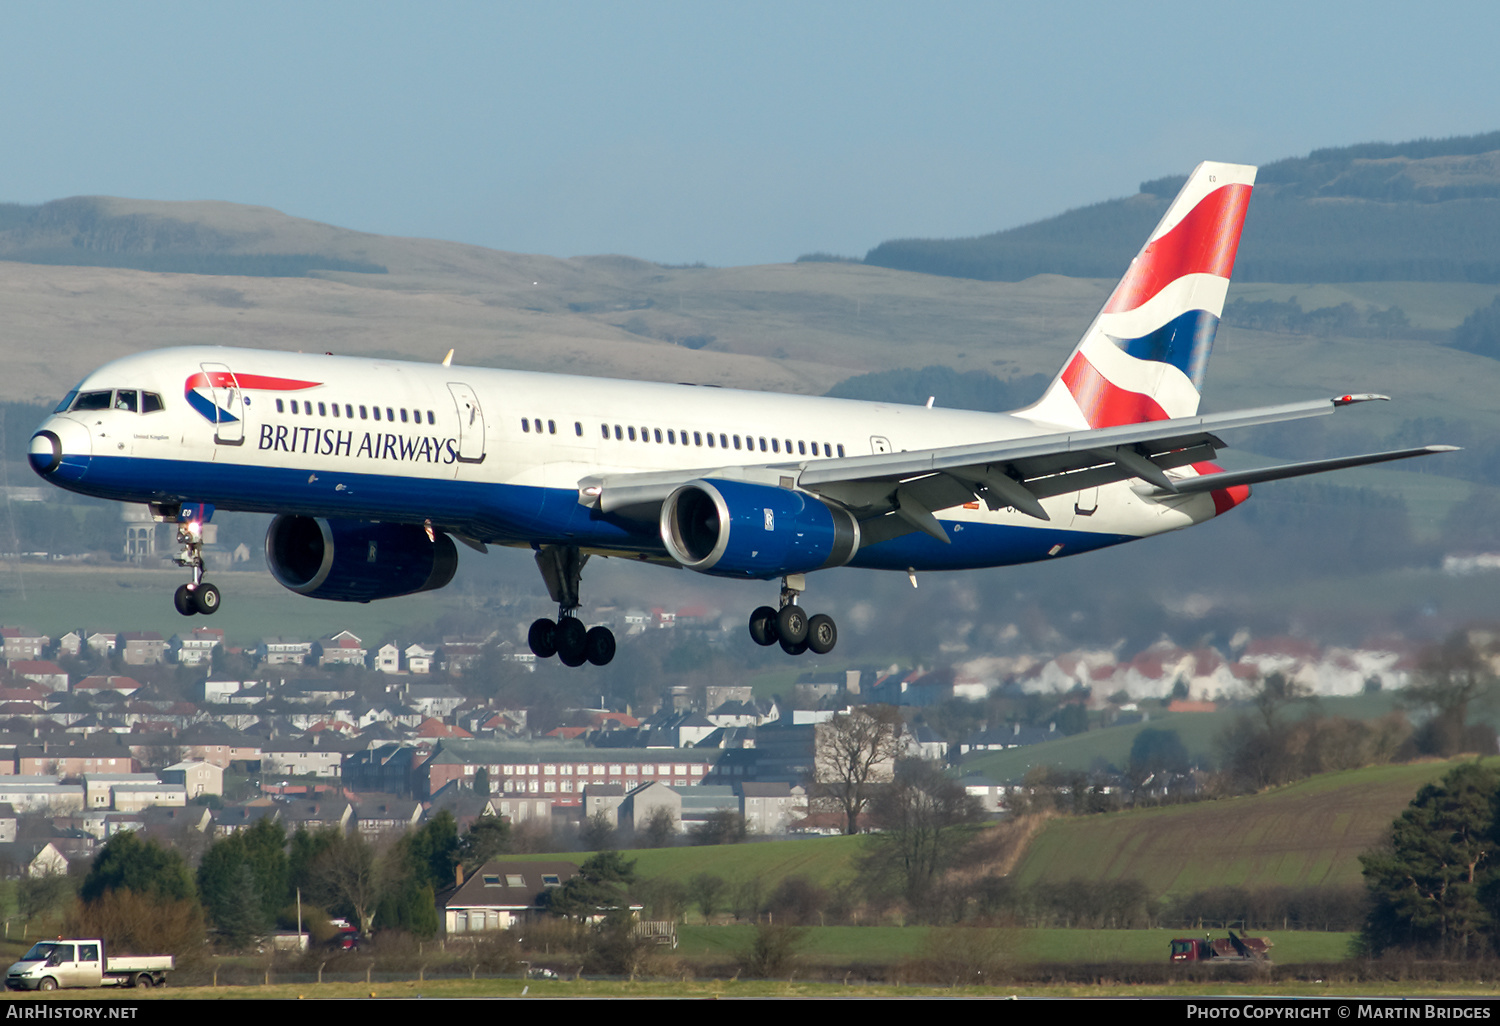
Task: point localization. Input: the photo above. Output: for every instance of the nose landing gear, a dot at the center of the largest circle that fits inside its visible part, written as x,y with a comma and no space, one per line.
198,596
790,626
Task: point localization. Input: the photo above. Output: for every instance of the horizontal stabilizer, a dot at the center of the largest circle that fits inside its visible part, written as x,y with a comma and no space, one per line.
1231,478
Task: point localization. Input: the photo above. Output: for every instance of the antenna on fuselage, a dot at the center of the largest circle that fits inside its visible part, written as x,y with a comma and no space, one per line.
448,360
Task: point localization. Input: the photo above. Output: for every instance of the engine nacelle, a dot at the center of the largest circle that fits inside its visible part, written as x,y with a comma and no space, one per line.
356,561
737,529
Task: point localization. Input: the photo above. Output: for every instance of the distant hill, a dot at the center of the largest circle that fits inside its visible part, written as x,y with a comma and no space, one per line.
1427,210
181,238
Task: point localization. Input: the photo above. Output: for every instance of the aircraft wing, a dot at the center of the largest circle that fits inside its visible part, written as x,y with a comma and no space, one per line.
895,493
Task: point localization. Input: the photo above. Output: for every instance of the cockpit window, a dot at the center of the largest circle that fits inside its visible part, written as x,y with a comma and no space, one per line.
93,400
130,400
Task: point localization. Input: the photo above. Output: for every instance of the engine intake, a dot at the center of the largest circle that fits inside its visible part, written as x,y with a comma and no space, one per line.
356,561
737,529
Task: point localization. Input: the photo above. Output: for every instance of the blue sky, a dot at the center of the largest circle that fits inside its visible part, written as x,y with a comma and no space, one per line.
725,133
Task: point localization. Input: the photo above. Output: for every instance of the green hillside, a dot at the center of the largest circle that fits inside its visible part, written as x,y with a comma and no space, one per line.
1307,834
1426,210
824,861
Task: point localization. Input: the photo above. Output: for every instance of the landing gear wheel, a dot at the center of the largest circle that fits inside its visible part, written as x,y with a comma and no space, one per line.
543,638
206,599
791,626
599,645
822,634
794,647
763,626
183,600
572,638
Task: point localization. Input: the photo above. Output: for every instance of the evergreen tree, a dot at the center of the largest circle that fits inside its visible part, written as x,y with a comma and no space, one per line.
142,867
1427,886
598,887
487,837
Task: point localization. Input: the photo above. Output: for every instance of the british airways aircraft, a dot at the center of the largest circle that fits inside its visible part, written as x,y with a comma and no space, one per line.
373,467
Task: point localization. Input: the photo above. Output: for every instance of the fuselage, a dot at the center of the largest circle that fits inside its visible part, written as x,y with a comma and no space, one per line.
497,456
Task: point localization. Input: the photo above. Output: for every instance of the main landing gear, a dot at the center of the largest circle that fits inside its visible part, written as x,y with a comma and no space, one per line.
567,637
790,626
198,596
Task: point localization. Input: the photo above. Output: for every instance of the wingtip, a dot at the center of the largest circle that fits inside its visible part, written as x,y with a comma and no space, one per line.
1364,397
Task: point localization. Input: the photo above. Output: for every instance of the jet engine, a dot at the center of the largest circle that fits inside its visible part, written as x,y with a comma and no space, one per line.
737,529
356,561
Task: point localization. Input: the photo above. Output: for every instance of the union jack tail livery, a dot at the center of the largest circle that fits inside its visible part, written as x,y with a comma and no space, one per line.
1145,356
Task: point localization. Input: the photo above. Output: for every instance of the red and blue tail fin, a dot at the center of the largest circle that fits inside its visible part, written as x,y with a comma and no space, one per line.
1146,354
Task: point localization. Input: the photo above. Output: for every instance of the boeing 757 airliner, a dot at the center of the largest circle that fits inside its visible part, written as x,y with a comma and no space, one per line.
373,467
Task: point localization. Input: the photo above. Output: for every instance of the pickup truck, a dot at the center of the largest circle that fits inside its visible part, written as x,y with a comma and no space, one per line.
81,963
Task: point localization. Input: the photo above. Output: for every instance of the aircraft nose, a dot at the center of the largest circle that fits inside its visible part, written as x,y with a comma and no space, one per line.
61,448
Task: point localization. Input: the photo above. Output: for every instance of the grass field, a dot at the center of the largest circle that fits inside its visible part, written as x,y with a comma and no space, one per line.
822,860
1307,834
840,945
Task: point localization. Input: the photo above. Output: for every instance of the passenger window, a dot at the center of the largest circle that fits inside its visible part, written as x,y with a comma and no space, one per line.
631,432
802,448
645,434
841,449
578,428
619,434
658,436
335,407
433,420
697,438
525,425
295,409
376,410
736,441
403,413
710,439
363,414
604,430
775,445
537,423
322,409
762,443
349,410
390,414
551,428
671,437
279,407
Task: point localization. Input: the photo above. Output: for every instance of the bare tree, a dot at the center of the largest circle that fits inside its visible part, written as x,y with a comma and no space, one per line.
1452,677
855,752
922,816
349,872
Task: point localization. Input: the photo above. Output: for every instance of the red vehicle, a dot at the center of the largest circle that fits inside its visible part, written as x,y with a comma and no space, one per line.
1232,949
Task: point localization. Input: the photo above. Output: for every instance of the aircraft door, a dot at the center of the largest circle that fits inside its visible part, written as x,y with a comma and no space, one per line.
229,404
470,423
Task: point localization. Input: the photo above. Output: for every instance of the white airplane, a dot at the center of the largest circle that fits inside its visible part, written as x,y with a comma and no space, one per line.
371,467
